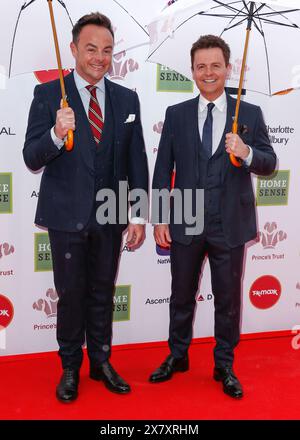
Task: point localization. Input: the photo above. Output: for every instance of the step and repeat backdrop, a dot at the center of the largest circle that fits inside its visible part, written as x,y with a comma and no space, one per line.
271,280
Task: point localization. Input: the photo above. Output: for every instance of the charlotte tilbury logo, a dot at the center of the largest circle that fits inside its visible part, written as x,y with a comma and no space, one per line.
121,66
48,305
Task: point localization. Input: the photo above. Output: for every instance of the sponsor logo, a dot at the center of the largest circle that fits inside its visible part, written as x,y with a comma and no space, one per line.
121,66
7,131
265,292
6,312
48,304
273,190
121,303
298,285
201,297
155,301
269,238
296,339
6,249
34,194
44,76
157,128
6,193
235,70
168,80
163,251
280,135
127,249
42,252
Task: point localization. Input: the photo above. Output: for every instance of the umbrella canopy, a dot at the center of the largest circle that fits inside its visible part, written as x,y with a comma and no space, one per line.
270,65
26,33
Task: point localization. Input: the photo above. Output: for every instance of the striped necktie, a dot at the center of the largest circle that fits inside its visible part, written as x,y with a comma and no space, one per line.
95,115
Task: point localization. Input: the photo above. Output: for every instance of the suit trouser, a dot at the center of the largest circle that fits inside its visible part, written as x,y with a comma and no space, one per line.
85,265
226,266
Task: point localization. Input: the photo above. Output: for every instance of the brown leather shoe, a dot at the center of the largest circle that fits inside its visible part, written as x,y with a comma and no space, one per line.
170,366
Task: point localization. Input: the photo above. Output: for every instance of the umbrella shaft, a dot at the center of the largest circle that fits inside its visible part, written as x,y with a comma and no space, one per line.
61,76
250,16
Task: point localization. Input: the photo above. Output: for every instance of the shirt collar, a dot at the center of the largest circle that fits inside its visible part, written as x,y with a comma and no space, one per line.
82,83
220,102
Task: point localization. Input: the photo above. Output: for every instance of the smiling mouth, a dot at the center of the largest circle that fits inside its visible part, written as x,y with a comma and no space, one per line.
210,81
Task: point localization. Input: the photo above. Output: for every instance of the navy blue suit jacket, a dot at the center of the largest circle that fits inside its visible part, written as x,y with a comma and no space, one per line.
67,191
179,146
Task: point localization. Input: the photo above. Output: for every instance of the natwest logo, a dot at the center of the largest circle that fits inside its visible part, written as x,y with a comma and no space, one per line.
265,292
6,312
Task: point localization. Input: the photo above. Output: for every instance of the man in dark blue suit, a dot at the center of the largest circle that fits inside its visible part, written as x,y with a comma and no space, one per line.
196,141
108,148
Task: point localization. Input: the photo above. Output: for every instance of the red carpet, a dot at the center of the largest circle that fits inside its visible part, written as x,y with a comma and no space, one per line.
269,370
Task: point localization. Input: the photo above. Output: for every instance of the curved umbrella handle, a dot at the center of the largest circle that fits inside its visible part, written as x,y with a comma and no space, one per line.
69,142
235,160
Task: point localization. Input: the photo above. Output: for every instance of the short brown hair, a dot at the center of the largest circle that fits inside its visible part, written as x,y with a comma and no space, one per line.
208,42
94,18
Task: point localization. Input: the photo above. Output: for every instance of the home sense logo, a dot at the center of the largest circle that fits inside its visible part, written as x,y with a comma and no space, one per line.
171,81
6,312
6,193
121,305
265,292
273,190
42,252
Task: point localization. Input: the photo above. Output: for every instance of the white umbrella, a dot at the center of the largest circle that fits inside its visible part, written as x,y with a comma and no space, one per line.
266,64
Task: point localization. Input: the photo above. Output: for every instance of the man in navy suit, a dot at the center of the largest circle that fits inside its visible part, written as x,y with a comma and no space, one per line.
85,253
196,141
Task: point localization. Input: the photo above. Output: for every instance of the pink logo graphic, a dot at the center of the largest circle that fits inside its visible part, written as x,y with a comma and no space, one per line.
49,305
271,236
158,127
298,286
235,70
6,249
120,66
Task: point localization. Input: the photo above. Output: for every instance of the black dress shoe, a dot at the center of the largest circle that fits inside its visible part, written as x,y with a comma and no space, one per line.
168,367
67,389
110,377
231,384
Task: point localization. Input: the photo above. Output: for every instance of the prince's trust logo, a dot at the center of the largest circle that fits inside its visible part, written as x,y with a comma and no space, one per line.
47,305
121,66
270,238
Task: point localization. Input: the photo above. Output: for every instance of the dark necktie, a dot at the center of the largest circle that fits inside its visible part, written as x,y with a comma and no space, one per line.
95,115
208,130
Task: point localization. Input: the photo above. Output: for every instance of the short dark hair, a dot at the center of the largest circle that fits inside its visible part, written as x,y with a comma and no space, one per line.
94,18
208,42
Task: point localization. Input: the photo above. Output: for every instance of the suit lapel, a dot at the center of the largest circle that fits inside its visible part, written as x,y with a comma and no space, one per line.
192,134
116,115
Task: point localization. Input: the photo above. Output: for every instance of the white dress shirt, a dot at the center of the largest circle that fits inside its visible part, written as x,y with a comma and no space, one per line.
219,113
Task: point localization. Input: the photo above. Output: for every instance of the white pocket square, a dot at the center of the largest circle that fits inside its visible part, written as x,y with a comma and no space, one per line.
130,118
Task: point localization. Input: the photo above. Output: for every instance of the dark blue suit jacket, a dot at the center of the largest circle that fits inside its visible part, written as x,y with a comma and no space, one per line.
67,191
179,146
